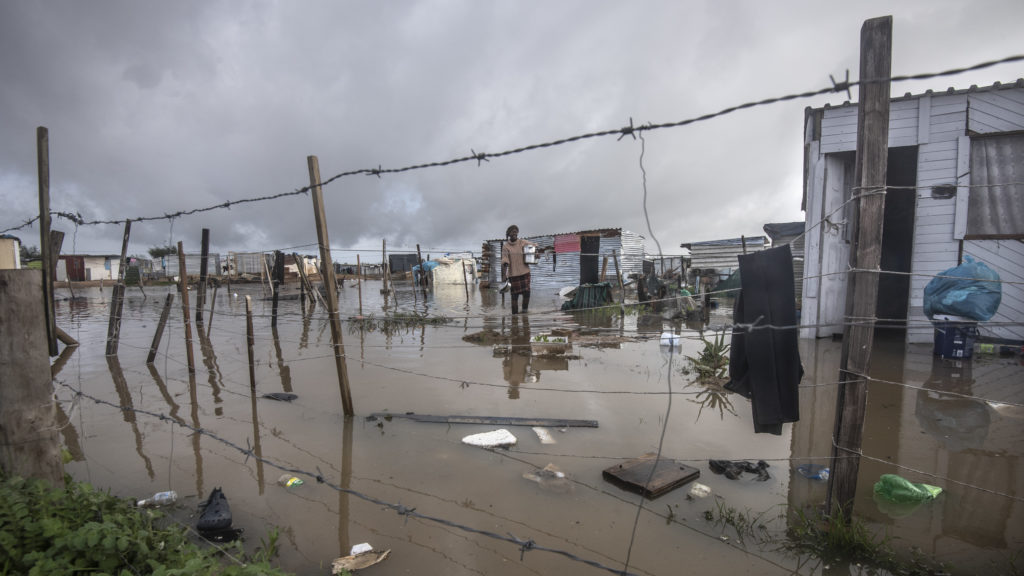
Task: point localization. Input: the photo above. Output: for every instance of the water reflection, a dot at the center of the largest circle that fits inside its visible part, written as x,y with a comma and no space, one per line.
128,409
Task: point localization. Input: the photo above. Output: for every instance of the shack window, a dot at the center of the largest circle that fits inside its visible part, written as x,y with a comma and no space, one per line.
995,208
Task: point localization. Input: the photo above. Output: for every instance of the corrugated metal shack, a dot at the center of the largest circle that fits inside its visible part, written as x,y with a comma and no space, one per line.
192,262
791,233
716,260
953,173
574,258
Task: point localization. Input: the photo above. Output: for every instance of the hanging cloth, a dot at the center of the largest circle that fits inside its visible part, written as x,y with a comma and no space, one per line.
764,363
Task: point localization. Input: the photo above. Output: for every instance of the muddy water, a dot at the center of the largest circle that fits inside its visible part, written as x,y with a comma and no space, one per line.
620,377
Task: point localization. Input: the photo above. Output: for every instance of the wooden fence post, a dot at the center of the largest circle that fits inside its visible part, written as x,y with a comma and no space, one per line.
866,219
330,282
359,281
28,417
43,165
117,296
160,329
276,281
183,285
250,341
204,257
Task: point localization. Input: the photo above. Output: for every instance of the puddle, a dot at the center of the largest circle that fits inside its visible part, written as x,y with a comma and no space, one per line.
481,363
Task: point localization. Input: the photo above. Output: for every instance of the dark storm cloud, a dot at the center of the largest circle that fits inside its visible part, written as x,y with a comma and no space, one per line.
155,107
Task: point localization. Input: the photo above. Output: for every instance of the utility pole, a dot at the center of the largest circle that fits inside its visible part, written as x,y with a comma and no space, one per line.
866,217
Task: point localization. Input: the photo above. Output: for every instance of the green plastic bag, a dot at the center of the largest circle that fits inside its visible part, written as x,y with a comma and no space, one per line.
898,489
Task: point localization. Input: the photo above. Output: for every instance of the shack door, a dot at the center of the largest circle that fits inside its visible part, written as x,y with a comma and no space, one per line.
589,248
75,267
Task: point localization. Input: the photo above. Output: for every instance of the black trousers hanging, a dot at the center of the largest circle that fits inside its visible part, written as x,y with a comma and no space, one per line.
764,363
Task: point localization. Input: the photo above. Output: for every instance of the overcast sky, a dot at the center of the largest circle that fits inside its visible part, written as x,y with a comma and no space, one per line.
156,107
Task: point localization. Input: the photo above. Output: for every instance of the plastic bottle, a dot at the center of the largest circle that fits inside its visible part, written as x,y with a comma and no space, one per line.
158,499
813,471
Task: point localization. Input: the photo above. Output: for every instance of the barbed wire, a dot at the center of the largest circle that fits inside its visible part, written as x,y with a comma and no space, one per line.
480,157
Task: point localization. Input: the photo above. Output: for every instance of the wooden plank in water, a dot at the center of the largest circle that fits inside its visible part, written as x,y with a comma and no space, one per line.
495,420
633,474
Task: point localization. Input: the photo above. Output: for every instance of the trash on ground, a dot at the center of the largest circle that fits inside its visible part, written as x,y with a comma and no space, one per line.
669,339
813,471
360,548
544,435
699,490
550,478
281,396
633,475
733,469
971,290
216,515
358,561
898,489
494,439
158,499
287,480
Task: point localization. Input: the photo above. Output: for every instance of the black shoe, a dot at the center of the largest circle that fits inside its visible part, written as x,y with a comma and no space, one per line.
216,516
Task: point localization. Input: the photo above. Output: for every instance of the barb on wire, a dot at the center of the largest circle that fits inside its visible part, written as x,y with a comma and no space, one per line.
627,131
841,86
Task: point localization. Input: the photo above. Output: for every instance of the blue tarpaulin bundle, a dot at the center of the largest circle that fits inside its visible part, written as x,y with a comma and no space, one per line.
970,290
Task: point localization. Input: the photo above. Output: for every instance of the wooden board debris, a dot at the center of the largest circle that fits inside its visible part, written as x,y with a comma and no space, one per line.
632,475
493,420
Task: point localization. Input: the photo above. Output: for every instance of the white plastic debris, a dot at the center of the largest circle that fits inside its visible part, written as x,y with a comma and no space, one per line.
670,339
699,490
544,435
360,548
495,439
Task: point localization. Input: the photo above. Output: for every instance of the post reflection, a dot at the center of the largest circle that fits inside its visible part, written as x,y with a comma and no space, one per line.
214,376
127,409
257,446
285,371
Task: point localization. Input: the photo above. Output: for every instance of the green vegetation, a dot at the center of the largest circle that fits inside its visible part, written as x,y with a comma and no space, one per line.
77,530
834,540
391,324
157,252
712,364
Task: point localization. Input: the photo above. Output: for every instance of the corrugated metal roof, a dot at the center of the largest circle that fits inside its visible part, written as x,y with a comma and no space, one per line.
1019,83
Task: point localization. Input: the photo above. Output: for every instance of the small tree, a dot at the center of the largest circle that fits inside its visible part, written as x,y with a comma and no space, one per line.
161,251
29,253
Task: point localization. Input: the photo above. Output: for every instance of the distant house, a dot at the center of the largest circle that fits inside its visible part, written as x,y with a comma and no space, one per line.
716,260
81,267
573,258
791,233
954,177
10,252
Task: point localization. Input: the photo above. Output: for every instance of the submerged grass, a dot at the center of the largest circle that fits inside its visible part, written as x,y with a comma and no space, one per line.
393,324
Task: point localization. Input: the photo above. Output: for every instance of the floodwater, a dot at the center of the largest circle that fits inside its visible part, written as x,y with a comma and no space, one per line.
955,425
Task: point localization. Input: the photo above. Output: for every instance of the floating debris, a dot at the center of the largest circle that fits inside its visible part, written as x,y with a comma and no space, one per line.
495,439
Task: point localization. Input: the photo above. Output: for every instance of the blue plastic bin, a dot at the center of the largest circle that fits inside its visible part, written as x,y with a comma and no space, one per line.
955,339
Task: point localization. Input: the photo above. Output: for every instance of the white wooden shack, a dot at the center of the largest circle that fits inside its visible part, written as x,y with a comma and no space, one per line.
574,258
955,167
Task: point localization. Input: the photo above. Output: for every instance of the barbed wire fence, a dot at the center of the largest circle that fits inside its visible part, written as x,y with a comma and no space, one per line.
524,544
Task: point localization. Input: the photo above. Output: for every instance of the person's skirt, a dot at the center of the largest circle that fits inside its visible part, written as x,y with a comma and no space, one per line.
519,284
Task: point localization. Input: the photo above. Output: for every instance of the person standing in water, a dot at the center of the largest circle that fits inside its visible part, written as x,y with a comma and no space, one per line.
514,268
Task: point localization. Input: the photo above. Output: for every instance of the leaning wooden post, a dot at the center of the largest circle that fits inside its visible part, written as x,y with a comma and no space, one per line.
213,302
204,258
160,329
117,296
250,341
330,282
28,416
43,161
604,268
183,285
618,273
465,281
56,241
866,219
